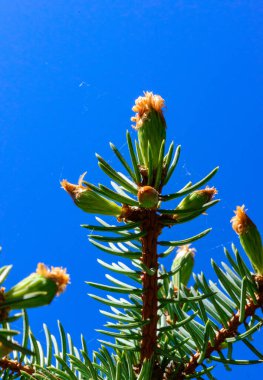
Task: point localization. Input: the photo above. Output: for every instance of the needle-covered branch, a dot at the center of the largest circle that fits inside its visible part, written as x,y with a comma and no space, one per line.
222,335
163,323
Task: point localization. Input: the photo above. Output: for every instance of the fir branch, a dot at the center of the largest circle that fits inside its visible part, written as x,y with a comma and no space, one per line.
224,333
15,366
163,330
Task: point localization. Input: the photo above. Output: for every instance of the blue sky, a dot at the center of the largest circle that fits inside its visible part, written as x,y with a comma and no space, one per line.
69,74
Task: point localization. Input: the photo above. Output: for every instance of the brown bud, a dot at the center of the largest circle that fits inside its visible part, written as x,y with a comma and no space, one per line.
148,197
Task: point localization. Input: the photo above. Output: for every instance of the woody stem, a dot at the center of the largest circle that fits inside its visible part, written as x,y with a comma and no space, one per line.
15,366
149,258
231,331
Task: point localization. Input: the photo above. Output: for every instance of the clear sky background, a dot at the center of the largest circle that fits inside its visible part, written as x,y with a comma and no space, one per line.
69,74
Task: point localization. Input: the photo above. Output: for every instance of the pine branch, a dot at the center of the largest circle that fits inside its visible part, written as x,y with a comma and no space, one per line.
161,329
231,331
15,367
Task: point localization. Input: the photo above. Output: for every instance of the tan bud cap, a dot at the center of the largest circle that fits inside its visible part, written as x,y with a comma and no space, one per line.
240,222
143,105
56,274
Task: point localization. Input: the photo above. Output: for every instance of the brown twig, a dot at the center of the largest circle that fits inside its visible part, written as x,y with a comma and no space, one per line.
15,366
224,333
150,285
152,227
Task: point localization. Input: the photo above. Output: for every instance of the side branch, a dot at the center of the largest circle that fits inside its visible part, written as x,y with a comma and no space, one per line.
15,367
224,333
